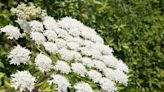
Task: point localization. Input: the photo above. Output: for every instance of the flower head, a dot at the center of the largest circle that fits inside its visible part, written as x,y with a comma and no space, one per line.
83,87
11,31
43,62
62,82
79,68
38,37
19,55
23,80
63,67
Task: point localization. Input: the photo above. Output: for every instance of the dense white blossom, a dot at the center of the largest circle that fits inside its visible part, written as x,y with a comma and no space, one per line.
43,62
51,35
63,34
122,66
50,23
86,51
82,87
23,81
94,75
116,75
38,37
87,62
107,85
62,82
50,47
121,77
19,55
104,49
66,54
69,23
74,32
79,68
87,43
36,26
11,31
99,65
62,66
24,11
110,60
95,54
76,55
61,43
110,74
73,45
24,25
88,29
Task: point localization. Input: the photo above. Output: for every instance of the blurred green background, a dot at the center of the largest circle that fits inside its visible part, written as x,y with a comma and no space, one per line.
134,28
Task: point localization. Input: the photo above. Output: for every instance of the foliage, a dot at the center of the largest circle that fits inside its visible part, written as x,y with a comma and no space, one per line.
134,28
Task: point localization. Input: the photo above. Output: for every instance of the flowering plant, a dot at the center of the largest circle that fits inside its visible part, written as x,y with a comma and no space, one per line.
60,55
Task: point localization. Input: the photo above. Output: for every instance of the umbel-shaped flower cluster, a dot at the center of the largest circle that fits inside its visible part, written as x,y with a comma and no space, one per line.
82,60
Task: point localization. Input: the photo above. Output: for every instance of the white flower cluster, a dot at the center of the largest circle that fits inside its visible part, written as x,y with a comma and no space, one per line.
80,51
23,80
19,55
43,62
62,82
24,11
83,87
12,32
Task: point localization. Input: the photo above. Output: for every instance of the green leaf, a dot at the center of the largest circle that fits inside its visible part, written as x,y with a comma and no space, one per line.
2,65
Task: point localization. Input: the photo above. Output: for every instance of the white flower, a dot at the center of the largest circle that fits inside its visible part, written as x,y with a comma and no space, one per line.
96,39
99,65
74,32
62,33
79,68
82,87
51,35
94,75
86,51
24,25
121,77
110,74
107,85
11,31
63,67
26,12
50,47
23,80
87,62
50,23
43,62
87,43
19,55
104,49
85,35
116,75
110,61
36,26
122,66
61,43
73,46
38,37
62,83
95,54
76,55
88,30
69,23
66,54
76,40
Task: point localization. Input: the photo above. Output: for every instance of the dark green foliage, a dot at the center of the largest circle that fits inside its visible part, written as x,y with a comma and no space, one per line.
134,28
